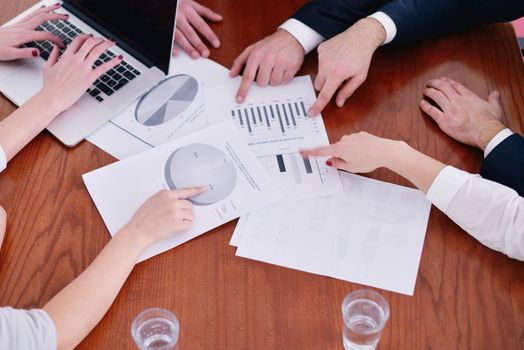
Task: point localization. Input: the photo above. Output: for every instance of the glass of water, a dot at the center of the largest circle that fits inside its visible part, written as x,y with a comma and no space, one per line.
364,315
156,329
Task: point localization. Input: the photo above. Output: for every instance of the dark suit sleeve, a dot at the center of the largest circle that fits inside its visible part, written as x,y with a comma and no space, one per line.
505,164
331,17
414,19
420,19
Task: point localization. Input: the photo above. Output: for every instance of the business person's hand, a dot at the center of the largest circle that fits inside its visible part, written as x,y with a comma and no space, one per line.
343,61
461,114
23,32
191,24
273,60
164,214
357,153
67,79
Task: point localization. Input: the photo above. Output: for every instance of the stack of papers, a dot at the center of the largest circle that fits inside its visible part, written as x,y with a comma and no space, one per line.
372,234
302,214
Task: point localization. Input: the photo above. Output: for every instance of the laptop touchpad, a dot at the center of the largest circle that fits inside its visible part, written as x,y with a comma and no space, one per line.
24,82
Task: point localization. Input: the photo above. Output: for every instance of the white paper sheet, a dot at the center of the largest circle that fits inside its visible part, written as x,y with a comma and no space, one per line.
230,170
274,122
373,234
128,133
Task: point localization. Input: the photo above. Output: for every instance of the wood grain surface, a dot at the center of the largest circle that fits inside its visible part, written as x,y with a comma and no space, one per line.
466,297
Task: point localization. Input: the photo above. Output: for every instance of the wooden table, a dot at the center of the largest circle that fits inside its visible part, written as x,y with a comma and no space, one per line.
467,296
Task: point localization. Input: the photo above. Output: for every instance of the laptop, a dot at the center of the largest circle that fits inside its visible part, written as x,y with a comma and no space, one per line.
143,30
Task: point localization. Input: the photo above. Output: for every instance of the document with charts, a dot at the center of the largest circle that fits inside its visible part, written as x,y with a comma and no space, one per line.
216,157
274,122
172,109
372,234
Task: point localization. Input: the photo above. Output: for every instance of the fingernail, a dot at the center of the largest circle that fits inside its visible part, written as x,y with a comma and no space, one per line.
216,43
311,113
240,99
91,35
35,53
120,57
112,40
205,53
328,163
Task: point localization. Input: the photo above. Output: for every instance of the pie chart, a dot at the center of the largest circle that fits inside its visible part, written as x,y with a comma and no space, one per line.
166,100
200,164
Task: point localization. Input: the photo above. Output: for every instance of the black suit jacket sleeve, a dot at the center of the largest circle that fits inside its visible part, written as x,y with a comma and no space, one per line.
331,17
414,19
505,164
419,19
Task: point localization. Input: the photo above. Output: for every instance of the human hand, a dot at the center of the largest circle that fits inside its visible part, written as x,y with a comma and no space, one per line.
67,79
273,60
344,61
357,153
463,115
190,23
164,214
23,32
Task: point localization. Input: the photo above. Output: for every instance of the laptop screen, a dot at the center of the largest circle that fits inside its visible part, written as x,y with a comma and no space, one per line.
143,26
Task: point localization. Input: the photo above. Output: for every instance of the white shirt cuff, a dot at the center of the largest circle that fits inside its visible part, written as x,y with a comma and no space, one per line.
387,23
307,37
446,185
501,136
3,159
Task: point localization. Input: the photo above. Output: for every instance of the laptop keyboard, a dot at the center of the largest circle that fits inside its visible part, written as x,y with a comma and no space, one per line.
107,84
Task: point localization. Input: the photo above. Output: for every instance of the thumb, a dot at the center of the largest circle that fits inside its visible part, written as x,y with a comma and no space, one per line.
494,98
14,53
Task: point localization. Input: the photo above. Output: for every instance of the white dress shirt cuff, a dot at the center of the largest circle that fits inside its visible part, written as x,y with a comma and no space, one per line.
387,23
307,37
446,185
501,136
3,159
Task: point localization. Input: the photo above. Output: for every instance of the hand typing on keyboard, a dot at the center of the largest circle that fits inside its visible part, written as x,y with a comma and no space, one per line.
12,37
67,79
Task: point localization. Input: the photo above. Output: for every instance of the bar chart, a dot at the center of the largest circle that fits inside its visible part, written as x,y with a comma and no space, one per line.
275,124
284,125
293,169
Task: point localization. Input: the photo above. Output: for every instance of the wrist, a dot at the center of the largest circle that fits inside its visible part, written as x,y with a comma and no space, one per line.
393,153
375,32
48,103
488,133
134,236
290,38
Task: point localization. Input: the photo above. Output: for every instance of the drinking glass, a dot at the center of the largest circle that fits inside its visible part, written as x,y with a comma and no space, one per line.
364,315
156,329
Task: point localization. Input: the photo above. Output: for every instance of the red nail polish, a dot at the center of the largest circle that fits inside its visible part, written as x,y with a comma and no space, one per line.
113,40
35,53
120,57
328,163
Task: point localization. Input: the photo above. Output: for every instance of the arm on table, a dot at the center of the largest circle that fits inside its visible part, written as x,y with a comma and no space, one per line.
77,308
490,212
420,19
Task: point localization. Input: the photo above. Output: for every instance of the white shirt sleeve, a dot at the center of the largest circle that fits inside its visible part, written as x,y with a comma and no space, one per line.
308,38
3,159
489,211
387,23
27,330
501,136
